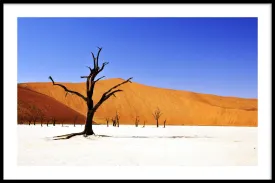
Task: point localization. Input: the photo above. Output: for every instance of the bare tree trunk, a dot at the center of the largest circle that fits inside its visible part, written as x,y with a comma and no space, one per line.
157,123
88,130
107,122
164,123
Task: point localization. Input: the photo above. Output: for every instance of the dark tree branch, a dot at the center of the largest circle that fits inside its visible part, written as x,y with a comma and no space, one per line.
67,90
97,57
128,80
107,94
94,60
99,78
91,70
104,98
113,93
102,67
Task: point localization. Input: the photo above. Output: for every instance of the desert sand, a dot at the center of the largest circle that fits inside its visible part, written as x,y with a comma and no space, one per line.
34,104
178,107
131,146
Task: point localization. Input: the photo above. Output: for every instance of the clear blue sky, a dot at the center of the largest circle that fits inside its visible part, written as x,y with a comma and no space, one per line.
207,55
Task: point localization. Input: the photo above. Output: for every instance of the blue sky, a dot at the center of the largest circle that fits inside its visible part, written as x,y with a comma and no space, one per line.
206,55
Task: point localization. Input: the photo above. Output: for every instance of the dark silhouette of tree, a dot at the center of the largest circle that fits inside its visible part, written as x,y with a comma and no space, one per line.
157,115
117,117
48,121
91,107
107,122
144,123
114,121
164,123
35,118
53,121
136,121
30,121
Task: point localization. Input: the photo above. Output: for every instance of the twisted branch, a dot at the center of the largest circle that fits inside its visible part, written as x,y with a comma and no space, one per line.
67,90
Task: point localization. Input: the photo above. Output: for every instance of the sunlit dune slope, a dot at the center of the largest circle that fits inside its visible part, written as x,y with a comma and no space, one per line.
32,104
178,107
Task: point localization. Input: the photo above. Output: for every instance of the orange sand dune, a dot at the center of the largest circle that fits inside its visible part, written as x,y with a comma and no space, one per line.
31,103
178,107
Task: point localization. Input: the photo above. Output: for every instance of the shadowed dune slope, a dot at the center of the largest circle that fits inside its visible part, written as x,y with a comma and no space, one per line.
32,104
178,107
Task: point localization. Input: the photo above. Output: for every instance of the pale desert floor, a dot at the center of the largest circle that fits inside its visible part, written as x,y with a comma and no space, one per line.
131,146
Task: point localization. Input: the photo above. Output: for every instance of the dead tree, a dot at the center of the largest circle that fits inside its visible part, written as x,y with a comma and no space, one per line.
136,121
35,118
114,121
75,120
117,119
42,117
29,119
107,122
53,121
48,121
91,106
164,123
157,115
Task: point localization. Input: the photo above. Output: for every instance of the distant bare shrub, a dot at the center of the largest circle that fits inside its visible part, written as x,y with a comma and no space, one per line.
117,119
107,122
136,121
157,115
144,123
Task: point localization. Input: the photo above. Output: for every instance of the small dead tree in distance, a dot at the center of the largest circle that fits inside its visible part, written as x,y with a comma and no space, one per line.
91,107
53,120
114,121
136,121
157,115
164,123
29,119
48,121
117,117
144,123
107,122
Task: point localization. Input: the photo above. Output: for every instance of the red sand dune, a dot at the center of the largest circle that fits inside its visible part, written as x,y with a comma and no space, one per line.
33,104
178,107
